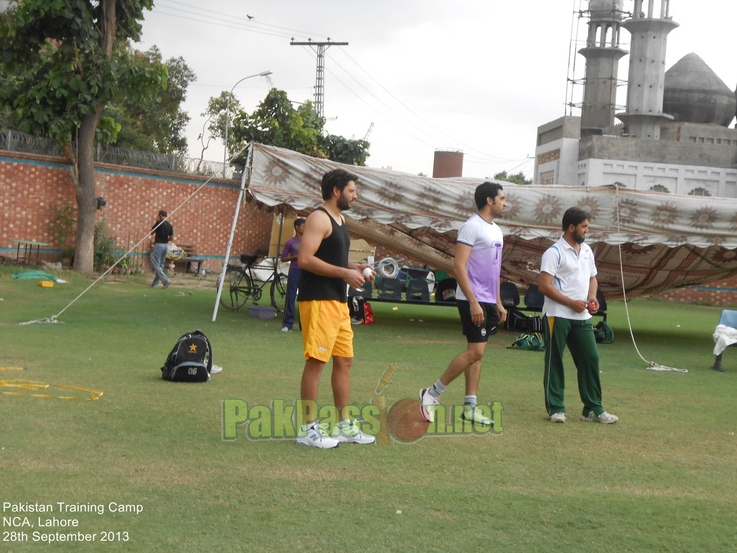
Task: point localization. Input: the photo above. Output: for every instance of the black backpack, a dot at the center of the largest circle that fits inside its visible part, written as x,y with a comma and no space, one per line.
190,360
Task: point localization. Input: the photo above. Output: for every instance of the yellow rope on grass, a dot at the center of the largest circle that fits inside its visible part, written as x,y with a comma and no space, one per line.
35,386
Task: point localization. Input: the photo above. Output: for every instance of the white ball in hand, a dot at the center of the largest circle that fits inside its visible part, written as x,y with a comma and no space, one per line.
367,272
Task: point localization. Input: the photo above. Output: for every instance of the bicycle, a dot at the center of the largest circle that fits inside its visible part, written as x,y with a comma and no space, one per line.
240,283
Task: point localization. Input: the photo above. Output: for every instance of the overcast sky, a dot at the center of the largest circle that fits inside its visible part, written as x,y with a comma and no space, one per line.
474,75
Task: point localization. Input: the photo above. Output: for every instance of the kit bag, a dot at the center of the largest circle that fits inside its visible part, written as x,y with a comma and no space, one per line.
531,341
603,333
516,320
190,360
360,310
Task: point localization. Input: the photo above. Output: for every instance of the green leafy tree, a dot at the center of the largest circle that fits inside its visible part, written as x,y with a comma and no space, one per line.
158,123
277,122
519,178
68,60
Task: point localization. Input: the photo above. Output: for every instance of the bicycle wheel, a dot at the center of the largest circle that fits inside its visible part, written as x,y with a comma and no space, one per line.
280,284
236,289
278,289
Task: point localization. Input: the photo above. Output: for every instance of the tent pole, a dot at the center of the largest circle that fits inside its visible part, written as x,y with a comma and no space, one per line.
246,177
282,209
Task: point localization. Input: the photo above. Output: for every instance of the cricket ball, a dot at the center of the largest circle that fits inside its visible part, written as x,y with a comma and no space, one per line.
406,421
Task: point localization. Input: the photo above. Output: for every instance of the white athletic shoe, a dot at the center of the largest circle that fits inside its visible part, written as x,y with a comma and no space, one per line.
215,369
351,433
472,414
560,417
604,418
429,402
317,437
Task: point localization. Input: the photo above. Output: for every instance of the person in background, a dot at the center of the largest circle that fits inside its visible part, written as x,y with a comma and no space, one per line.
291,249
162,233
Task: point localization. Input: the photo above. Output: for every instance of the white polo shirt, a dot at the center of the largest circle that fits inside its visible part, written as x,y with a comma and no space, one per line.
572,272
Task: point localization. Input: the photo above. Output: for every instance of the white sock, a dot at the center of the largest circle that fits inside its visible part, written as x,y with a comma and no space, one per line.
469,401
437,389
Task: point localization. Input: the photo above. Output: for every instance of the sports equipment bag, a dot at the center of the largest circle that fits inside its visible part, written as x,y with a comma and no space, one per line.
529,341
603,333
190,360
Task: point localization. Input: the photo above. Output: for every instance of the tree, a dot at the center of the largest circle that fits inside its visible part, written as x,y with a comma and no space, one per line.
69,59
519,178
277,123
157,124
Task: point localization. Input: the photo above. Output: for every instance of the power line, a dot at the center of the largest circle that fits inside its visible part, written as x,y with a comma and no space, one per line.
494,158
251,22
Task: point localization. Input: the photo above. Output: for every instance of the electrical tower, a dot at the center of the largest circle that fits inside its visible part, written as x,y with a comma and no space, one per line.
320,48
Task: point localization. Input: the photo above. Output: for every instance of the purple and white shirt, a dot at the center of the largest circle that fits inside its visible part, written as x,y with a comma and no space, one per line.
485,263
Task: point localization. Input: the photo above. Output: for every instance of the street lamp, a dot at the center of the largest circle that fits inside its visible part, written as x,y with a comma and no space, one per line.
227,115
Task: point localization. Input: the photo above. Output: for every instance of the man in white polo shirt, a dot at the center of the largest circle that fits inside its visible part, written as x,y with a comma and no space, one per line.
568,282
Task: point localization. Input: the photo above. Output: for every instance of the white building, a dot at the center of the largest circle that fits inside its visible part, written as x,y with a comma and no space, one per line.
674,135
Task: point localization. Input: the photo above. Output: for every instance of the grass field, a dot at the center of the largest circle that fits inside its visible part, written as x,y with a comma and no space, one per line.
662,479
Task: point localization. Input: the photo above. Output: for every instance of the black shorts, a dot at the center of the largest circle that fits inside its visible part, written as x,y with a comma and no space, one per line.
478,333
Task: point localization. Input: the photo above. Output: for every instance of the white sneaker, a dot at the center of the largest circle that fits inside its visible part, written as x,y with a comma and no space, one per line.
604,418
316,437
352,433
472,414
559,417
215,369
429,402
285,329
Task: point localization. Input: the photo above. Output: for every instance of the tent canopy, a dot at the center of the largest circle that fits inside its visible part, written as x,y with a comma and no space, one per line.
661,241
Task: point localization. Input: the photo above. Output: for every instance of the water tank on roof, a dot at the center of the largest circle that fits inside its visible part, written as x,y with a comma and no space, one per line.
447,164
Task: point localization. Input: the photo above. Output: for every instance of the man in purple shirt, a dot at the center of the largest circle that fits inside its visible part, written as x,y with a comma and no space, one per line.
291,249
477,268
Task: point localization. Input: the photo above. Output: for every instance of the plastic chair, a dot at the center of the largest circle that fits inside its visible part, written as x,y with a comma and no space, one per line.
510,295
390,289
366,292
445,292
728,318
534,299
417,290
602,304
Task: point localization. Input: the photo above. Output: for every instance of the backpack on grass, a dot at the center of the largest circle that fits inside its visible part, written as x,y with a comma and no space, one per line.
603,333
530,341
190,360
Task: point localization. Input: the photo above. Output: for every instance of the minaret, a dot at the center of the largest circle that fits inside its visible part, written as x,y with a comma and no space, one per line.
602,53
649,31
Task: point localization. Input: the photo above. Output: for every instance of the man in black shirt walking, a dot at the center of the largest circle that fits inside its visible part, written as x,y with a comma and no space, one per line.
162,232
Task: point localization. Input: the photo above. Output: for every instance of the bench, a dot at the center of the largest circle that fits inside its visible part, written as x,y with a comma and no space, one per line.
417,293
534,300
190,258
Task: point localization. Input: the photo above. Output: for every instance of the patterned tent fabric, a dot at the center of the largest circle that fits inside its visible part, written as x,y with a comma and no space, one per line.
662,241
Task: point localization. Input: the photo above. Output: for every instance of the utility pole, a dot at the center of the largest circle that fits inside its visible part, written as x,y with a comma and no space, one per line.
320,77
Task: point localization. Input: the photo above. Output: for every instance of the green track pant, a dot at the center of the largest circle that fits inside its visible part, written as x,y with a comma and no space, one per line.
579,337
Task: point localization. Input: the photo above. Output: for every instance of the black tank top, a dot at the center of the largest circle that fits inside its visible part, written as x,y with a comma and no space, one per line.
333,250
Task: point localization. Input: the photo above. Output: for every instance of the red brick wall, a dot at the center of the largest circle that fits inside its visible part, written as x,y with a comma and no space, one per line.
722,293
29,184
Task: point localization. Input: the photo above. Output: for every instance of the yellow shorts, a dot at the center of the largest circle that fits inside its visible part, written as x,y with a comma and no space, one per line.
326,329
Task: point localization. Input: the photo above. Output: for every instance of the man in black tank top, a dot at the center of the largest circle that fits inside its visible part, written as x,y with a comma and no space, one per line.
323,310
